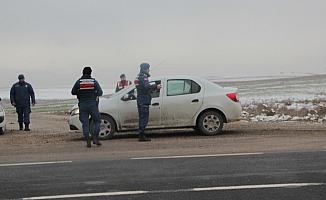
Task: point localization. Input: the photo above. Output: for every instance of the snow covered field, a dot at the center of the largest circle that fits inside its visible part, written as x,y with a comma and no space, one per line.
284,99
314,111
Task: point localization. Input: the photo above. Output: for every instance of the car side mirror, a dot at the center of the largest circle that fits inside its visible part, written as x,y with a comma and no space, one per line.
125,97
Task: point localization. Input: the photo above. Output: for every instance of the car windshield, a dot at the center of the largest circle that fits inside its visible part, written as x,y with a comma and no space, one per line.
119,92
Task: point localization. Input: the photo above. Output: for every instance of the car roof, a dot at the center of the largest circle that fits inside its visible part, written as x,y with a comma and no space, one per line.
176,77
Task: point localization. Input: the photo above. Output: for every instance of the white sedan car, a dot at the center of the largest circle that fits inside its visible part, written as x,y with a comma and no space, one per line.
2,120
183,101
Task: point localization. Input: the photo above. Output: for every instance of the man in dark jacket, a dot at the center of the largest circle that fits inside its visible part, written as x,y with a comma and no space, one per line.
144,98
21,94
88,90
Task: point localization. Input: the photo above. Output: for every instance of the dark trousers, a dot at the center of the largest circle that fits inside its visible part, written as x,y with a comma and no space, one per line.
143,113
87,109
23,114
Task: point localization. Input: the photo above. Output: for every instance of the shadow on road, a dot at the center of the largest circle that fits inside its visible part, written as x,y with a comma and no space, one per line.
182,133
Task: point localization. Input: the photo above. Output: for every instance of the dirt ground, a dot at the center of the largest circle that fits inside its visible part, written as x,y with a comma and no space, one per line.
50,139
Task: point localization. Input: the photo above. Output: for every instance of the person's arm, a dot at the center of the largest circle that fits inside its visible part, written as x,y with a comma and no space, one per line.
12,95
145,83
75,89
31,93
99,91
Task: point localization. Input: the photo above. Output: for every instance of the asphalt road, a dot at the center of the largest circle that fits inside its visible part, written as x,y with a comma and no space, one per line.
288,175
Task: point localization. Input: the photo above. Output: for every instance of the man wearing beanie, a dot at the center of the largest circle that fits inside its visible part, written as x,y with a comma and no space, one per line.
21,94
144,98
88,90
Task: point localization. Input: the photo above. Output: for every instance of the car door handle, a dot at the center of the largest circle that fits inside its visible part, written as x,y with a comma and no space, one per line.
155,104
195,101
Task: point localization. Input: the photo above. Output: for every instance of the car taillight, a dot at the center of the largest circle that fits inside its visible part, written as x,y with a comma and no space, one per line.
233,96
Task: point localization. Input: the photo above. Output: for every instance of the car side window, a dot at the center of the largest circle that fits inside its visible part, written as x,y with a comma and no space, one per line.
182,87
195,88
133,93
156,93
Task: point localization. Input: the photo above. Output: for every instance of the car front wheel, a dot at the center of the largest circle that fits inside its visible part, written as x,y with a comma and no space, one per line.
1,131
210,123
107,127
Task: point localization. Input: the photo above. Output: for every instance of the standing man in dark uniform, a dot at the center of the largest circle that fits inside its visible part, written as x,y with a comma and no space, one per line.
21,94
88,90
144,98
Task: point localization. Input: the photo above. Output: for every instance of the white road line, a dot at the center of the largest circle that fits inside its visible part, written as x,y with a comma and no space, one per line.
87,195
197,156
123,193
242,187
34,163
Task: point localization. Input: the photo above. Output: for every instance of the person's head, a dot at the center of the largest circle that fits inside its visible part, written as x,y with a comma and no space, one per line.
144,67
87,71
123,77
21,78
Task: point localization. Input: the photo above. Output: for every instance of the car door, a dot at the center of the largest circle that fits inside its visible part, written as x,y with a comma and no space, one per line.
129,112
155,108
182,100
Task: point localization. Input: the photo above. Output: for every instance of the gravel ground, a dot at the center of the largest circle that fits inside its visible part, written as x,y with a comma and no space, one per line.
53,129
50,140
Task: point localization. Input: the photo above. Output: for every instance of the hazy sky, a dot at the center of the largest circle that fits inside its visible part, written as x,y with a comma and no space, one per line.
51,40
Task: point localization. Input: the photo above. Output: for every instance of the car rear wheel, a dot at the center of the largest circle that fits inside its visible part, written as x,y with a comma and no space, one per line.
210,123
107,127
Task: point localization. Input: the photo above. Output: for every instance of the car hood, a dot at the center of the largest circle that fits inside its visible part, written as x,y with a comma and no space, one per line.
102,100
73,108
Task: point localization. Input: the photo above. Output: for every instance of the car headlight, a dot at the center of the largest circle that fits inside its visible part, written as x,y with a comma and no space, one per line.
74,112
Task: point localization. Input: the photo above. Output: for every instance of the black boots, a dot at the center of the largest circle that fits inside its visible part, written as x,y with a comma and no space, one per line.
96,140
143,138
21,127
88,142
27,127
